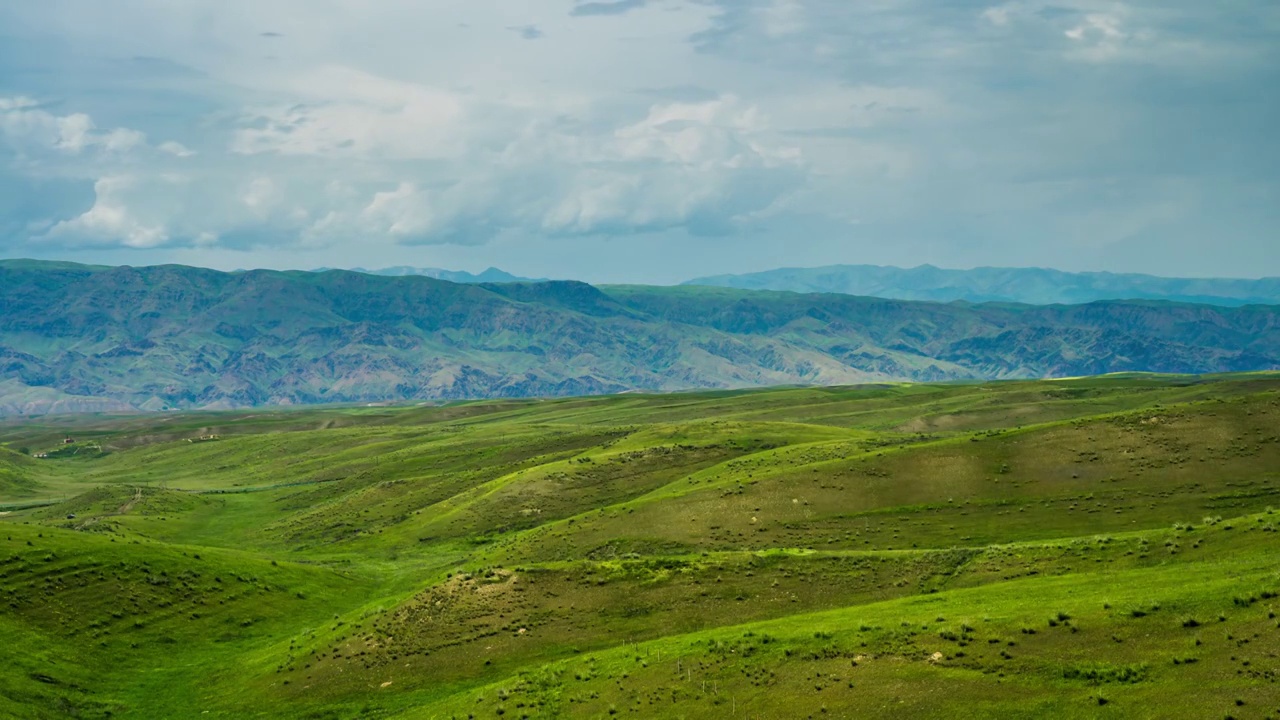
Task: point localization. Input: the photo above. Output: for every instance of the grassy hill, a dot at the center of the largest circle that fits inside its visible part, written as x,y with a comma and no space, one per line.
1095,547
76,339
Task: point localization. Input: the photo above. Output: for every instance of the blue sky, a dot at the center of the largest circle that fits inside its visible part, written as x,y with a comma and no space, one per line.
643,140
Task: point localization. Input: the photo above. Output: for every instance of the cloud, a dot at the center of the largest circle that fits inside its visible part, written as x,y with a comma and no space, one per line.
366,116
29,128
998,15
1100,36
756,130
110,220
528,32
430,175
1097,32
1096,26
17,104
703,166
176,149
782,17
616,7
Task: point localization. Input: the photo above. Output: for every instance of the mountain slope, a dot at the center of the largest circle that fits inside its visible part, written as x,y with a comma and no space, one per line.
76,338
991,284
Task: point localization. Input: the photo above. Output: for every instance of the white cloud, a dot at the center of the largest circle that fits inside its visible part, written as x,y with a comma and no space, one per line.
722,132
1097,26
24,124
781,18
353,114
16,103
73,131
1098,37
110,220
705,166
401,213
998,15
261,195
176,149
681,163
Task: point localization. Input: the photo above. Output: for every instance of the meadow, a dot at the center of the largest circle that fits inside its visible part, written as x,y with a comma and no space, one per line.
1094,547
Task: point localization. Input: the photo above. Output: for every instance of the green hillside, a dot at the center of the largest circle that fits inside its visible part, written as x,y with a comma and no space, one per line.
88,339
1096,547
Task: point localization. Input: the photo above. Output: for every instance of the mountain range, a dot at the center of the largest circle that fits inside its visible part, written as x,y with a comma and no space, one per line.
92,338
1038,286
1035,286
490,275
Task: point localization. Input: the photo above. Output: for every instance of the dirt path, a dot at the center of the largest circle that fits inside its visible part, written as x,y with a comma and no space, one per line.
122,510
137,495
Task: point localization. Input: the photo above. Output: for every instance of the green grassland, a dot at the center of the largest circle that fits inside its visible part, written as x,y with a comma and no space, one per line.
1094,547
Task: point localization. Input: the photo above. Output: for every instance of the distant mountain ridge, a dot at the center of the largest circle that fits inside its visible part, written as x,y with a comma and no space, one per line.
1036,286
80,338
489,275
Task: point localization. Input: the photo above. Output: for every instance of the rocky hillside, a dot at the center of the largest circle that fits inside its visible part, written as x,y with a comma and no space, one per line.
79,338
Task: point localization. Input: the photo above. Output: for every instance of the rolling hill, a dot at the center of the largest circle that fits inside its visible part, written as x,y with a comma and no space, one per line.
1095,547
1037,286
79,338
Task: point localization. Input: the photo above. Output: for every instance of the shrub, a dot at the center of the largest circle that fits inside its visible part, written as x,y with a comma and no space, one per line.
1106,673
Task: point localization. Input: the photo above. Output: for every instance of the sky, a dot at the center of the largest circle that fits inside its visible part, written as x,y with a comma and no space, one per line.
646,141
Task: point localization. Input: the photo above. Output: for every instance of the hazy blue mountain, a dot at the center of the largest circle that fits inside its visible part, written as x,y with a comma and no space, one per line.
490,275
1037,286
78,338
